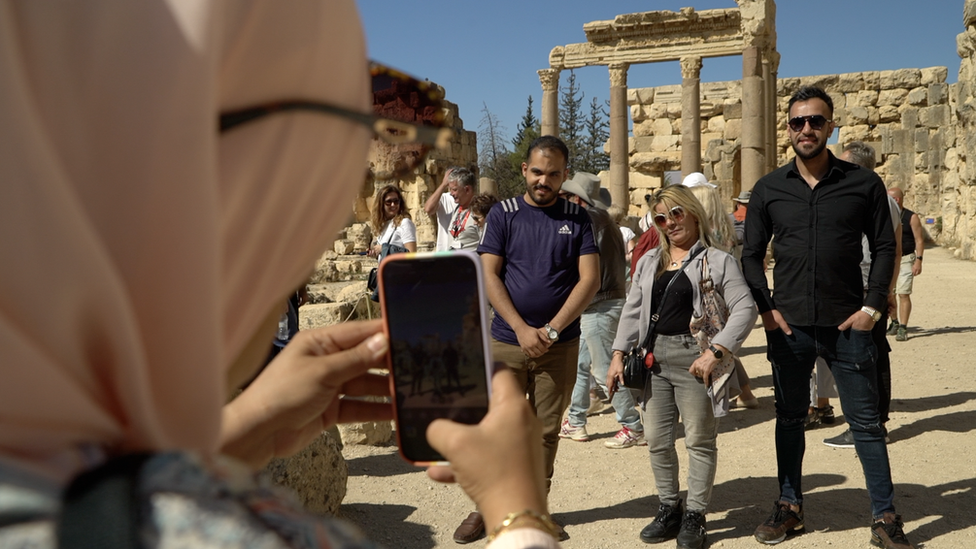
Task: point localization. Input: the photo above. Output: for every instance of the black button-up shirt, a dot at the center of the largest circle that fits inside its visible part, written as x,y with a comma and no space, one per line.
817,243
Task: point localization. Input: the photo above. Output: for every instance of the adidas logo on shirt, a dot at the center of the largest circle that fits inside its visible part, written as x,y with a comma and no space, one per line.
565,230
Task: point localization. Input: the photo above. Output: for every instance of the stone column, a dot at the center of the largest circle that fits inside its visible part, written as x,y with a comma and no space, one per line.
619,137
488,185
770,78
550,101
690,115
752,142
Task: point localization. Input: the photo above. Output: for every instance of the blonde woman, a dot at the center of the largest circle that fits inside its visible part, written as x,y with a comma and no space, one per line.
676,387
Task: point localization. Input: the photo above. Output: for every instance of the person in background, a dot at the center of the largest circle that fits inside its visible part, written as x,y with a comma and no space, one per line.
480,206
391,222
442,204
741,207
179,269
598,323
913,244
680,380
723,237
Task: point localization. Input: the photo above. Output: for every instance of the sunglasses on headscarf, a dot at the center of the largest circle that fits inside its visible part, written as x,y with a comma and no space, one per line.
407,121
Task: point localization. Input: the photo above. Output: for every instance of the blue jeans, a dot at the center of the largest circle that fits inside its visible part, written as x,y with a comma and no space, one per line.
851,357
599,326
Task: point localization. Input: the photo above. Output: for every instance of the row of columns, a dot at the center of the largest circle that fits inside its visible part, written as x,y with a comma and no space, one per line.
757,141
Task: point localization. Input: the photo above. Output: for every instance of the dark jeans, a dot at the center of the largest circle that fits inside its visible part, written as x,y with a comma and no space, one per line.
884,366
851,357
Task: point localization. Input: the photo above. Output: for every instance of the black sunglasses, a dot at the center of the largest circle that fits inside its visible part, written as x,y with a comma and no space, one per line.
816,122
408,119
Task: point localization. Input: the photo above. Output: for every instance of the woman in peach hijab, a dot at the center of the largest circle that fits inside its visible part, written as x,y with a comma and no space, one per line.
146,257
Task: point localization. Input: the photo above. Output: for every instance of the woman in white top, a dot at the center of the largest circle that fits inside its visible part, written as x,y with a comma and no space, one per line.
391,221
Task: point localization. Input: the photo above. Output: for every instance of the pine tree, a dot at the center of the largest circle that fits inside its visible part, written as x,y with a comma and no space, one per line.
494,158
592,157
528,128
571,120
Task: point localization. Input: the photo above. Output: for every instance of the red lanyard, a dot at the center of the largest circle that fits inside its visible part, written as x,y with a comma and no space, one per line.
459,223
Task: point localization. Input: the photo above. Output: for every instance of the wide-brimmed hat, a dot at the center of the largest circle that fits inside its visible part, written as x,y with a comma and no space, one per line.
586,186
696,179
743,197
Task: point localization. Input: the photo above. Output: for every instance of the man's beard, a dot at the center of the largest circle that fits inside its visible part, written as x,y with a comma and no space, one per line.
812,154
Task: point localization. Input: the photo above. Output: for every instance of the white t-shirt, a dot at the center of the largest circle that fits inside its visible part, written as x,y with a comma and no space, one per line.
406,232
445,210
627,234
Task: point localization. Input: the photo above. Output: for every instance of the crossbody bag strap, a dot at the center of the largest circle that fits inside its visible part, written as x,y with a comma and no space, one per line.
660,306
100,508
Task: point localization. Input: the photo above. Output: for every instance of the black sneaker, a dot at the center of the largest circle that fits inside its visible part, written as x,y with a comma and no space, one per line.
843,440
664,526
782,522
892,328
692,534
888,533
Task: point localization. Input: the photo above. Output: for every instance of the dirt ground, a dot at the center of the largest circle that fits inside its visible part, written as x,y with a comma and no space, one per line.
604,497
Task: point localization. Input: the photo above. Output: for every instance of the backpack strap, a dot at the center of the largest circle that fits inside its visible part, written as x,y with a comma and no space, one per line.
101,506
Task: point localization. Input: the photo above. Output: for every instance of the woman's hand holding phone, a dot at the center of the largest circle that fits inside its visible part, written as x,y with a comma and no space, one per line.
497,462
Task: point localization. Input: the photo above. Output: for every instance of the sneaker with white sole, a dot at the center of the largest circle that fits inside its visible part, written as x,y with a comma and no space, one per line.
625,438
573,432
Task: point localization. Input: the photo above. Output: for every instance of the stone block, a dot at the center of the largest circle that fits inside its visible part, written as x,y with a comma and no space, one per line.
934,117
872,80
644,129
661,127
858,132
318,474
325,314
938,93
786,86
640,144
909,118
894,97
873,116
644,96
716,124
849,83
921,140
903,141
841,117
901,78
918,97
867,98
732,110
733,129
656,110
857,115
710,136
888,114
934,75
638,113
325,271
344,247
370,433
823,81
654,163
665,143
674,110
710,109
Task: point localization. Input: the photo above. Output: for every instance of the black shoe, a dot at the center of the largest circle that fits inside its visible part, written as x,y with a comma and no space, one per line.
826,414
843,440
664,526
892,328
692,534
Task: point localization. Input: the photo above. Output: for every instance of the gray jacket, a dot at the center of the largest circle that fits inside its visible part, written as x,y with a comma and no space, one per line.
728,281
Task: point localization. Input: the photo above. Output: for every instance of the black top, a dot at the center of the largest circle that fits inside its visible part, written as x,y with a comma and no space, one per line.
678,308
817,246
907,234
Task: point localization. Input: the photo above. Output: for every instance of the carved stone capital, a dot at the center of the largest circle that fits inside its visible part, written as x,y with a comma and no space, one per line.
618,75
549,79
691,67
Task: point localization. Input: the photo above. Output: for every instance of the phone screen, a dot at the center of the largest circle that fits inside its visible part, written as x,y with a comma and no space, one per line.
433,305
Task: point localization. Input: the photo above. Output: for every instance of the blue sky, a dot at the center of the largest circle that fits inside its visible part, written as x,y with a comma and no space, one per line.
489,52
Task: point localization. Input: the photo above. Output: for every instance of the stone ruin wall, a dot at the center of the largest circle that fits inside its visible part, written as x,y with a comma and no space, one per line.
916,122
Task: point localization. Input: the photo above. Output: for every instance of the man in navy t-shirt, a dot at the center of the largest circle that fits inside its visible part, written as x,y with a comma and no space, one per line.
542,269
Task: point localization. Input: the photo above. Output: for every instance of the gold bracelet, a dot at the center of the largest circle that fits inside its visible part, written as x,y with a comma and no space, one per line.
544,522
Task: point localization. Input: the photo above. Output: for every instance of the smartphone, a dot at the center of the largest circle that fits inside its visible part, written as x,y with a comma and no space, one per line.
435,315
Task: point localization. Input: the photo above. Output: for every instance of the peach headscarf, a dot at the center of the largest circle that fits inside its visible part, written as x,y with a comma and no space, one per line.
140,249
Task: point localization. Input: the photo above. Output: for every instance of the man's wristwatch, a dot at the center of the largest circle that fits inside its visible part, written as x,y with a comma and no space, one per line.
873,313
716,351
551,333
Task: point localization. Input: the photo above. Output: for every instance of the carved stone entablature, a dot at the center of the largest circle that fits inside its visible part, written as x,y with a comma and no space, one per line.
664,26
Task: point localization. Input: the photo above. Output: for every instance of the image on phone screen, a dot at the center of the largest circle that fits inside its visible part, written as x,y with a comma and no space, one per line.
433,307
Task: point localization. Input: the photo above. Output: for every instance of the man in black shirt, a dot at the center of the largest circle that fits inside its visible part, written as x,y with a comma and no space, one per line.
816,208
